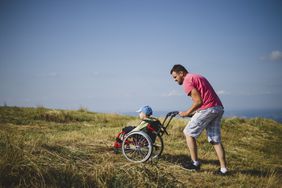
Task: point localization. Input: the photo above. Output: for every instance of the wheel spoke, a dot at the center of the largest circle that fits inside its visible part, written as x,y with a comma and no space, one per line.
137,147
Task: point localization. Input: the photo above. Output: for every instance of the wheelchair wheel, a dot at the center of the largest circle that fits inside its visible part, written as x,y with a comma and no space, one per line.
158,147
137,147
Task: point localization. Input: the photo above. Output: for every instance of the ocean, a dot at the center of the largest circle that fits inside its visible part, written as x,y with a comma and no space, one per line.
275,114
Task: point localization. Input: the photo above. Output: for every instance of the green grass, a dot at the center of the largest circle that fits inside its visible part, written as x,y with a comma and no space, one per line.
60,148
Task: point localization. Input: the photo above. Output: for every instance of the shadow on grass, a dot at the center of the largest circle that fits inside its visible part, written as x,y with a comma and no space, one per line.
260,173
64,150
101,148
176,159
55,148
67,178
182,159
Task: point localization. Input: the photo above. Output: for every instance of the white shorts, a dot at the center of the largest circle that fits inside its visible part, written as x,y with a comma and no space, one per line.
208,119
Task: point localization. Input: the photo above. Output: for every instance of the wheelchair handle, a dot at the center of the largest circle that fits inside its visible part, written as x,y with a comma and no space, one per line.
173,113
168,117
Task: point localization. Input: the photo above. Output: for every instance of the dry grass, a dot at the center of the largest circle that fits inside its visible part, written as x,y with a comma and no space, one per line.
57,148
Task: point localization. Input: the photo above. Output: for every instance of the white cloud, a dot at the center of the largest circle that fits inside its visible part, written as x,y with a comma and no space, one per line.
276,55
222,92
173,93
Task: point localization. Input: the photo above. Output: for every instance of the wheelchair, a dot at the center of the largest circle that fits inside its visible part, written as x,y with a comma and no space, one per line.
139,146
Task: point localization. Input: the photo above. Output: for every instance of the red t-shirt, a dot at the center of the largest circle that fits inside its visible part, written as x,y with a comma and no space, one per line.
209,97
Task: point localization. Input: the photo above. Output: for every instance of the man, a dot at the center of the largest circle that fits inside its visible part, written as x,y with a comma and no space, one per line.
206,112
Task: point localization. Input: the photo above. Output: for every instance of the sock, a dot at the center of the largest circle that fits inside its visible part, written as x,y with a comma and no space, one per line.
223,170
196,163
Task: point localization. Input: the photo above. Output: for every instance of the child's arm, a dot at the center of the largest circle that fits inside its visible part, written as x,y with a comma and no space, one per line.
142,125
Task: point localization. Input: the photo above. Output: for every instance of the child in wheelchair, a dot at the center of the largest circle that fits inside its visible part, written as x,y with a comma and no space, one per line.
148,124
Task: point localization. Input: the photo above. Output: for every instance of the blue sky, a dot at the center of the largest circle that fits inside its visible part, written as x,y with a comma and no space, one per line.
116,55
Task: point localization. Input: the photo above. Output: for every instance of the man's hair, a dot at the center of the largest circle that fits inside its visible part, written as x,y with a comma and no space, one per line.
178,68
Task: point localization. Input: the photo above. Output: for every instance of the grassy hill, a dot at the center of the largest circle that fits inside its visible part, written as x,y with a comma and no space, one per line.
58,148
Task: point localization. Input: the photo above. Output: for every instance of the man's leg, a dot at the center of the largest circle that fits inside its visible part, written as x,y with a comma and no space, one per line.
220,152
192,145
194,165
193,130
214,137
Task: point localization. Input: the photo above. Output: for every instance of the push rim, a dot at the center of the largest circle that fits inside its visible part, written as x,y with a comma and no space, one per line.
137,147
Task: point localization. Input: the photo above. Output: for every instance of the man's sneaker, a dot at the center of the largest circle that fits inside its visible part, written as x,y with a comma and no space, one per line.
191,167
218,172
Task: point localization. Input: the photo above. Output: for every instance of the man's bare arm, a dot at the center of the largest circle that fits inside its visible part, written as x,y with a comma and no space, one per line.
197,103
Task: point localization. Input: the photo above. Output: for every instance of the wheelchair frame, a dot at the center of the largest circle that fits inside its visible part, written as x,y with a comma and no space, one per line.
138,147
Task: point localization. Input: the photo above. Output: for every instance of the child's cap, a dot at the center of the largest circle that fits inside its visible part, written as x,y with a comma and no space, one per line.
146,110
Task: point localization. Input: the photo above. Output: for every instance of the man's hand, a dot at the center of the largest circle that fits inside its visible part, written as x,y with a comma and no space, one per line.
185,114
182,114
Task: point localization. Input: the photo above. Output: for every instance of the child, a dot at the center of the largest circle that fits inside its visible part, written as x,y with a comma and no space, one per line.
145,114
149,124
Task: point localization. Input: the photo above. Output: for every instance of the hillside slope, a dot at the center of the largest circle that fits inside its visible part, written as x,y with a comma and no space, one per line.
58,148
